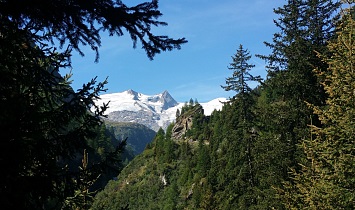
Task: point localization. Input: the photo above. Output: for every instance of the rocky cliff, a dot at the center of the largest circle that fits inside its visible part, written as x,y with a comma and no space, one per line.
184,122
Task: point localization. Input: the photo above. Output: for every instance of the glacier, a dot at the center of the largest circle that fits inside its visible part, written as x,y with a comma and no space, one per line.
154,111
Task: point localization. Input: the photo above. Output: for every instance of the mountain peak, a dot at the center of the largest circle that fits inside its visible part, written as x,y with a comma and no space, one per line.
167,100
133,93
165,92
154,111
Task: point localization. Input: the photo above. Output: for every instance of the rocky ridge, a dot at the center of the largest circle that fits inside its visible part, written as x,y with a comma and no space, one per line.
184,122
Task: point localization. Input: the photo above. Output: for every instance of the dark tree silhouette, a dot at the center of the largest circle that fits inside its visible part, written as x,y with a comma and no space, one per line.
79,22
44,124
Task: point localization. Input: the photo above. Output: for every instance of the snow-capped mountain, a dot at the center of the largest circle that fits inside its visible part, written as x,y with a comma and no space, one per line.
154,111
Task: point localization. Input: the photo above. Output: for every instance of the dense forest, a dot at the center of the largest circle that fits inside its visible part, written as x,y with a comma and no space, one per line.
286,144
137,135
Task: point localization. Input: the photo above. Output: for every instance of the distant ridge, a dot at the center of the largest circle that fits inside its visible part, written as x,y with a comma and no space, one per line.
133,93
154,111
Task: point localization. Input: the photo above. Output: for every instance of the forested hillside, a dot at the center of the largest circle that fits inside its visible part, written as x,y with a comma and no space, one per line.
137,135
286,144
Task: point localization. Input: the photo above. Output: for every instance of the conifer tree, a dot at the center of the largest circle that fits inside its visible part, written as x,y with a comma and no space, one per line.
191,102
44,123
304,29
177,114
291,25
327,181
240,169
80,23
305,26
238,82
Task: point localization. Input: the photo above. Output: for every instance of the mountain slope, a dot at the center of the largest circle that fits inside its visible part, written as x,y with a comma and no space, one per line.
153,111
161,174
138,135
200,163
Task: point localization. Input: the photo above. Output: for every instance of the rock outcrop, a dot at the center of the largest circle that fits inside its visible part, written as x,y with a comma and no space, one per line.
184,122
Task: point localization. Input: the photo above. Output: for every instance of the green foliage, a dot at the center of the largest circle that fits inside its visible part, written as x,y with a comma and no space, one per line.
177,113
45,125
57,20
214,174
108,156
240,76
82,196
259,152
326,181
189,106
138,136
282,108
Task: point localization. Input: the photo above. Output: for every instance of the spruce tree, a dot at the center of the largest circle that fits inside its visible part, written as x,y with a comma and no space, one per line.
78,23
327,180
240,68
305,27
44,123
240,169
291,25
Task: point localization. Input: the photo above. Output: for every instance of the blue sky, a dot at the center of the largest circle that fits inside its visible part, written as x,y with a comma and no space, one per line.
214,30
